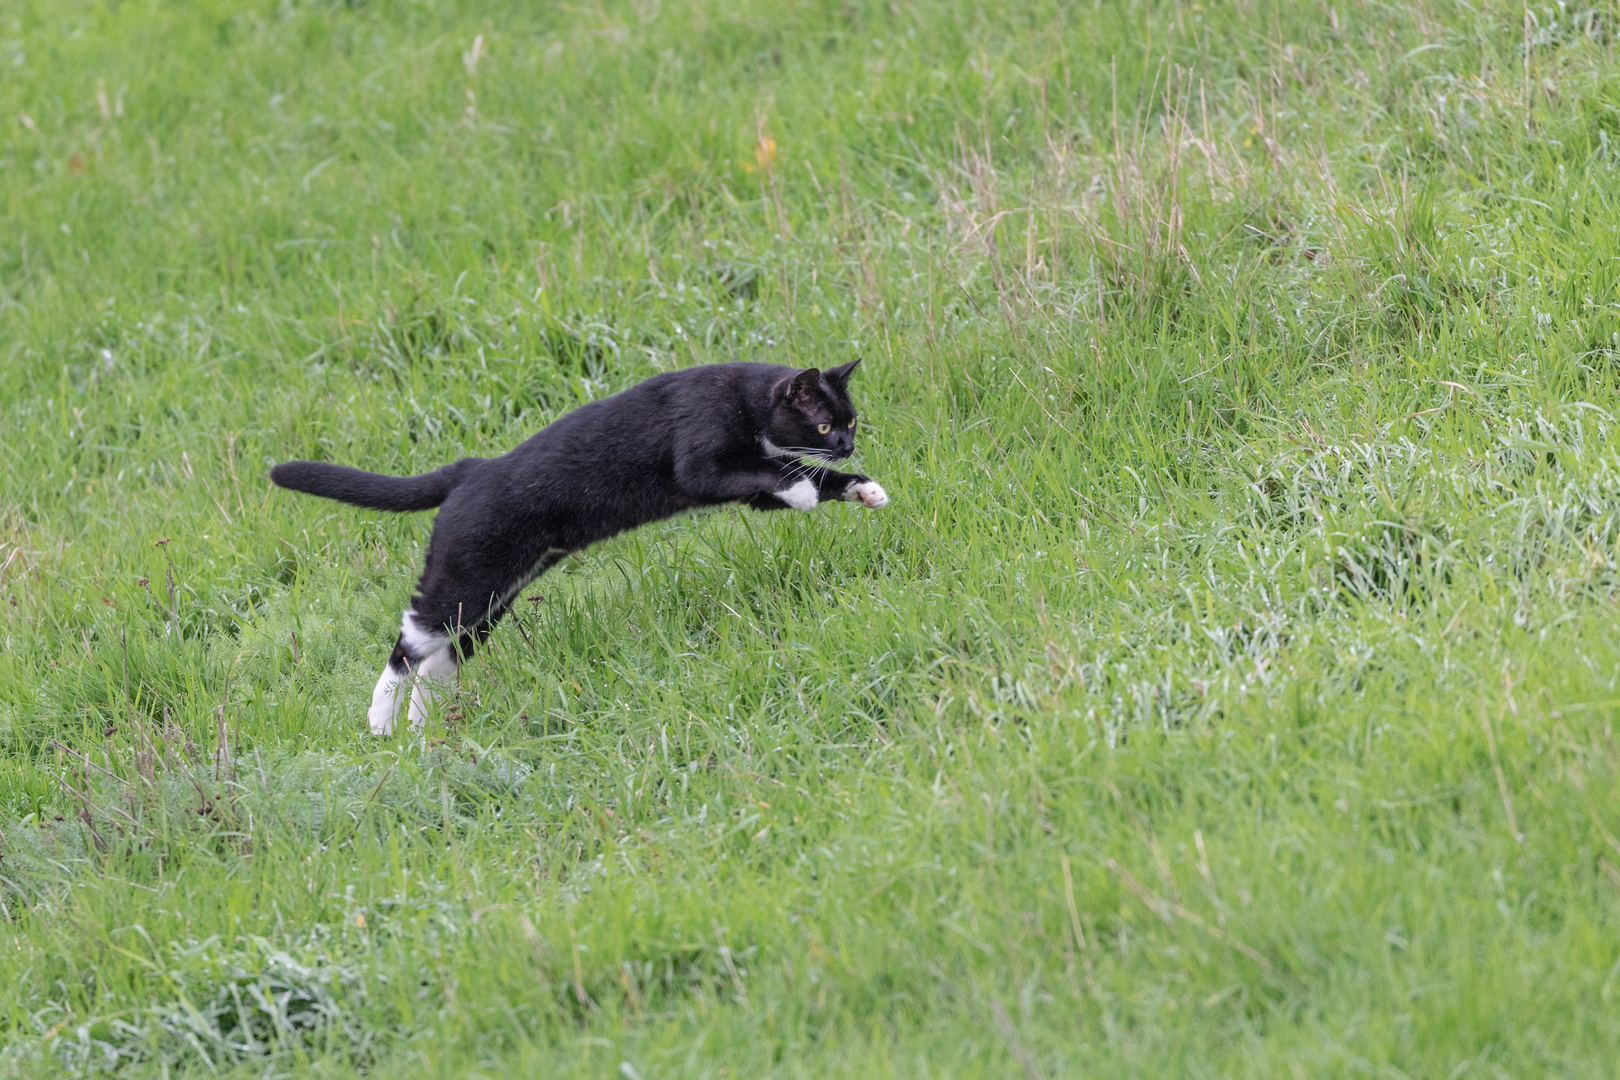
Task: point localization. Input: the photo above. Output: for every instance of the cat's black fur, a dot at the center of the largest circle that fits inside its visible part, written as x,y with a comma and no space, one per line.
682,440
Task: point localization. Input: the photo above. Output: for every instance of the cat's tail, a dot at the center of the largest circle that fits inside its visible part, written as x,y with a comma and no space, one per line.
371,490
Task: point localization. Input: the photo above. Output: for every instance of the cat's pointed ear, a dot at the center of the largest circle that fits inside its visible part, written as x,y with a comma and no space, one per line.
804,385
839,376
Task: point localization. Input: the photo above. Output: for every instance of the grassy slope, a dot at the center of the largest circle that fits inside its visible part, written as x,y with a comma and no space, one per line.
1226,691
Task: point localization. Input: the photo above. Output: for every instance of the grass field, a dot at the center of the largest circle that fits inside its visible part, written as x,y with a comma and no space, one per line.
1227,689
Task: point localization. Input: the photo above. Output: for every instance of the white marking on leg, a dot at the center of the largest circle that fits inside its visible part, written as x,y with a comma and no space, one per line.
420,642
386,700
441,665
394,689
434,675
869,493
801,496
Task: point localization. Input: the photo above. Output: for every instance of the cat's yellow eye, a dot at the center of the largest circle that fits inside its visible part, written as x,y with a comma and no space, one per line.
852,423
824,428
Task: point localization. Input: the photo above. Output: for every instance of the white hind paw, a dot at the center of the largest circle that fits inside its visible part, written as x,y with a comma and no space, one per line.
382,722
387,700
869,493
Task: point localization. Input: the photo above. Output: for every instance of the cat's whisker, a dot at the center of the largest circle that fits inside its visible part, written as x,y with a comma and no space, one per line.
816,456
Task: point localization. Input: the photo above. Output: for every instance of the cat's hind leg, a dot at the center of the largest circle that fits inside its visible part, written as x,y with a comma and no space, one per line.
422,658
453,614
474,635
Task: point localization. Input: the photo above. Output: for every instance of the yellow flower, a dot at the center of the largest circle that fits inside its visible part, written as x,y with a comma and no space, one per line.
765,153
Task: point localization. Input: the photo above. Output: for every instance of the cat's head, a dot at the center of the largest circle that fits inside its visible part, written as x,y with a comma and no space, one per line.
811,414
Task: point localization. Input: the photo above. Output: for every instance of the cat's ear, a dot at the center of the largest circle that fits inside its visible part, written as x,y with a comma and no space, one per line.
799,388
839,376
804,385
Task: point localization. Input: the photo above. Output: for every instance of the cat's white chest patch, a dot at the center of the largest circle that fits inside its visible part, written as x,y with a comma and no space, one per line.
801,496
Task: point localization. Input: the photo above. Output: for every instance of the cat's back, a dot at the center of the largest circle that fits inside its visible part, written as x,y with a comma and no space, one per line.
610,465
643,423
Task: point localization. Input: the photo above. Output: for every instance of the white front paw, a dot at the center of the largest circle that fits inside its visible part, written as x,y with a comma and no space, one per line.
869,493
801,496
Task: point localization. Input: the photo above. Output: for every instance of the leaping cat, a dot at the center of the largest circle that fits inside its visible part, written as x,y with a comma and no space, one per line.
679,441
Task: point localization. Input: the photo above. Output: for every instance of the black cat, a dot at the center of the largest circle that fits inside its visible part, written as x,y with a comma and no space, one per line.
681,440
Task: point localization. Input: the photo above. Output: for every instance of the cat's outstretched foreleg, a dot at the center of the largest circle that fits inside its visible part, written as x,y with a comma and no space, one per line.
869,493
816,485
849,487
763,483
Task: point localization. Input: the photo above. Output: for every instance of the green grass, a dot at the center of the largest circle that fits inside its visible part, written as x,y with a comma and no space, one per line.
1227,690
